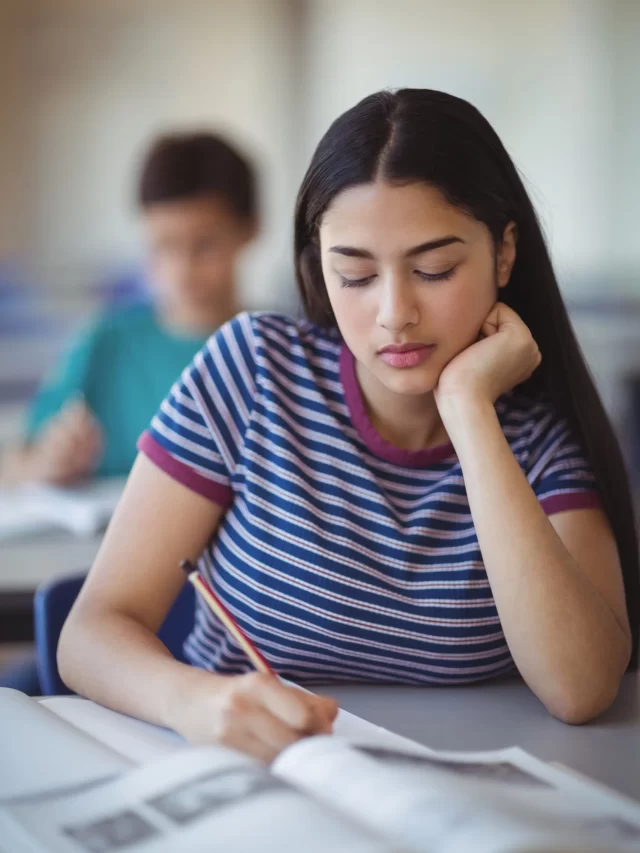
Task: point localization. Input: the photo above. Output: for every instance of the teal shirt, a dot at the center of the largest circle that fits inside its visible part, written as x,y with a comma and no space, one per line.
123,366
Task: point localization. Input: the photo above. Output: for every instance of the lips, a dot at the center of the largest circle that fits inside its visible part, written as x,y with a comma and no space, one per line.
402,348
405,355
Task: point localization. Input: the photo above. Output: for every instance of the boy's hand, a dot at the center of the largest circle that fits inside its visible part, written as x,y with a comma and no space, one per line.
67,449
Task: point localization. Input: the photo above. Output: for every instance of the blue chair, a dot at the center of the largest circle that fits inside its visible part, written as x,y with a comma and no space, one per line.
51,605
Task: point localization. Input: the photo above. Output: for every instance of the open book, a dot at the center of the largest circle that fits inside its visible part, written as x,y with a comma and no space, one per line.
83,510
133,787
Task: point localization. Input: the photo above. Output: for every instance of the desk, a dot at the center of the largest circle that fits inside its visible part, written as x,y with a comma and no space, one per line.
506,713
25,562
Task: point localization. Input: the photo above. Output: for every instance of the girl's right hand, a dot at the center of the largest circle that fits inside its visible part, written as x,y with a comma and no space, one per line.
254,713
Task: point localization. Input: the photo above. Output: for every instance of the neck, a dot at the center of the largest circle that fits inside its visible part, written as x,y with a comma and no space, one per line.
407,421
198,320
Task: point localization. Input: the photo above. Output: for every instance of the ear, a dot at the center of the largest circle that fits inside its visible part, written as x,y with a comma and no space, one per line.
506,254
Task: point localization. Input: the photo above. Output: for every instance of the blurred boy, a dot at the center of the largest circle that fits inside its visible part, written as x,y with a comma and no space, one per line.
197,197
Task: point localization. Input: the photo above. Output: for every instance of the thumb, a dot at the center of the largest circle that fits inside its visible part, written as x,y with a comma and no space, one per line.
492,324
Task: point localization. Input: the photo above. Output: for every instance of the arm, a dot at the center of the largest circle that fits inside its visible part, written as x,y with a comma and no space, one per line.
63,439
556,581
65,450
109,652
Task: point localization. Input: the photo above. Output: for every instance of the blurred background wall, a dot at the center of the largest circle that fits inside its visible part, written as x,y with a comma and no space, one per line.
85,85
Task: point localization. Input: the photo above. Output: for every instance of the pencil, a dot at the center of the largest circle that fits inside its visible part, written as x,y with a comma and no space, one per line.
217,607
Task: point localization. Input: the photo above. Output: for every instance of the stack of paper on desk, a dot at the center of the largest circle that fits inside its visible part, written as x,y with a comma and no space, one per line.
82,510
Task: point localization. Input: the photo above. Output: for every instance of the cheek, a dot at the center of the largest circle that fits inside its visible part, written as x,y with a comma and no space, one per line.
460,310
355,314
164,269
213,267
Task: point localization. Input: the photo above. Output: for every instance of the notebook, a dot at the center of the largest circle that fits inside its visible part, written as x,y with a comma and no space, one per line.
77,778
83,510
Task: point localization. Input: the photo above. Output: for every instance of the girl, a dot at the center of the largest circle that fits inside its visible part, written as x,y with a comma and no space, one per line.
366,491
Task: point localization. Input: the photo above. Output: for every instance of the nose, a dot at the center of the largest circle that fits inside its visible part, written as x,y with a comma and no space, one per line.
397,308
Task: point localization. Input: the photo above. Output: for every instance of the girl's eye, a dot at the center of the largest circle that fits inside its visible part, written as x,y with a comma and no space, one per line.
355,282
438,276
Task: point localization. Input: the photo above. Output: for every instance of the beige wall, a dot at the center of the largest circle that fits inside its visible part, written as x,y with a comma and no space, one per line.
540,71
14,137
102,78
85,83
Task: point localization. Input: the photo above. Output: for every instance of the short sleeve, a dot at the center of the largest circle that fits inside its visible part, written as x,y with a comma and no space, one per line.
197,435
70,378
559,471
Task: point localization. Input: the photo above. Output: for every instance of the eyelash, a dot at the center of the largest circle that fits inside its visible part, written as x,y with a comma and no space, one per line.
361,282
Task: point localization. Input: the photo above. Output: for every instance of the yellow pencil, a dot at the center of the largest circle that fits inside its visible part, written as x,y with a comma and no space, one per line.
218,608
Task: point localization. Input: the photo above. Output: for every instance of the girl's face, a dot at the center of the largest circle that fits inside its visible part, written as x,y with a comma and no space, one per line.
407,270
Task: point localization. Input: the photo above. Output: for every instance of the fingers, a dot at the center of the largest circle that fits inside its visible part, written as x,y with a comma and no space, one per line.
254,713
70,445
302,711
261,716
78,422
245,725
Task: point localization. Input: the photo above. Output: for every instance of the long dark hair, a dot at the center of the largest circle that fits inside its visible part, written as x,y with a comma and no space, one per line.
431,137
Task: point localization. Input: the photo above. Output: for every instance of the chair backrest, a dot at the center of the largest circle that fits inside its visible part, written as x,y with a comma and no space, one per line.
51,605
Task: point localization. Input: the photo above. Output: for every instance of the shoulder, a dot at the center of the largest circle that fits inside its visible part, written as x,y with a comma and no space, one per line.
272,328
534,429
271,337
119,323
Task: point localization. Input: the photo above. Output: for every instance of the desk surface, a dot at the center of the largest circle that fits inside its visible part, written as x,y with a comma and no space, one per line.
506,713
27,561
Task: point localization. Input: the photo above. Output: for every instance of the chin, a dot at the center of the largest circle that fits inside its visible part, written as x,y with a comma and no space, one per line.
412,381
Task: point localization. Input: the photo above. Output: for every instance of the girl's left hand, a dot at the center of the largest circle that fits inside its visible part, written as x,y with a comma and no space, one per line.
505,356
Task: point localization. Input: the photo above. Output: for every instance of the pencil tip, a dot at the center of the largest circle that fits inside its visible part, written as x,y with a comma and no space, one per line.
186,566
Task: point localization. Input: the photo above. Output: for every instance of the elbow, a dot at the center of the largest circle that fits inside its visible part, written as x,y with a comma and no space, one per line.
590,691
578,711
580,703
70,641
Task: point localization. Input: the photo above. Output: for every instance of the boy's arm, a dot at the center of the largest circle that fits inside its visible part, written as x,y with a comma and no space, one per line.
69,380
63,441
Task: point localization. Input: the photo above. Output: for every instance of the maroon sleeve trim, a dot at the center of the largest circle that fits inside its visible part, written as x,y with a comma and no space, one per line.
572,500
221,495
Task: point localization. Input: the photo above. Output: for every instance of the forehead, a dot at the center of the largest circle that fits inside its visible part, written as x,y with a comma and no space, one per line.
378,214
209,213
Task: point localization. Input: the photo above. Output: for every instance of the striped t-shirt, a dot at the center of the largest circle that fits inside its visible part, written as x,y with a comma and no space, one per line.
341,556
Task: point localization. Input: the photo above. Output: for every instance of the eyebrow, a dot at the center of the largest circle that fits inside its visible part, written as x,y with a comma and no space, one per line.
352,252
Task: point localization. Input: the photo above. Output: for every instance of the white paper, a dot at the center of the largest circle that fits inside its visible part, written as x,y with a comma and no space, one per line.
83,510
39,751
138,741
194,800
456,802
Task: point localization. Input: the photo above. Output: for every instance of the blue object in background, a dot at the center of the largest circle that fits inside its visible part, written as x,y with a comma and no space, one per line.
123,285
51,605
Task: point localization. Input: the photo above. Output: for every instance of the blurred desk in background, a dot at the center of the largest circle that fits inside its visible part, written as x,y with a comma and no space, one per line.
28,561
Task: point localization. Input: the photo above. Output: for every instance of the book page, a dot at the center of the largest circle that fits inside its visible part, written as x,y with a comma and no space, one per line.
136,740
39,751
454,802
83,510
203,799
357,730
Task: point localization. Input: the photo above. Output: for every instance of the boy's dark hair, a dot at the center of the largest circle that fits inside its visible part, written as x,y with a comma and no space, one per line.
192,165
